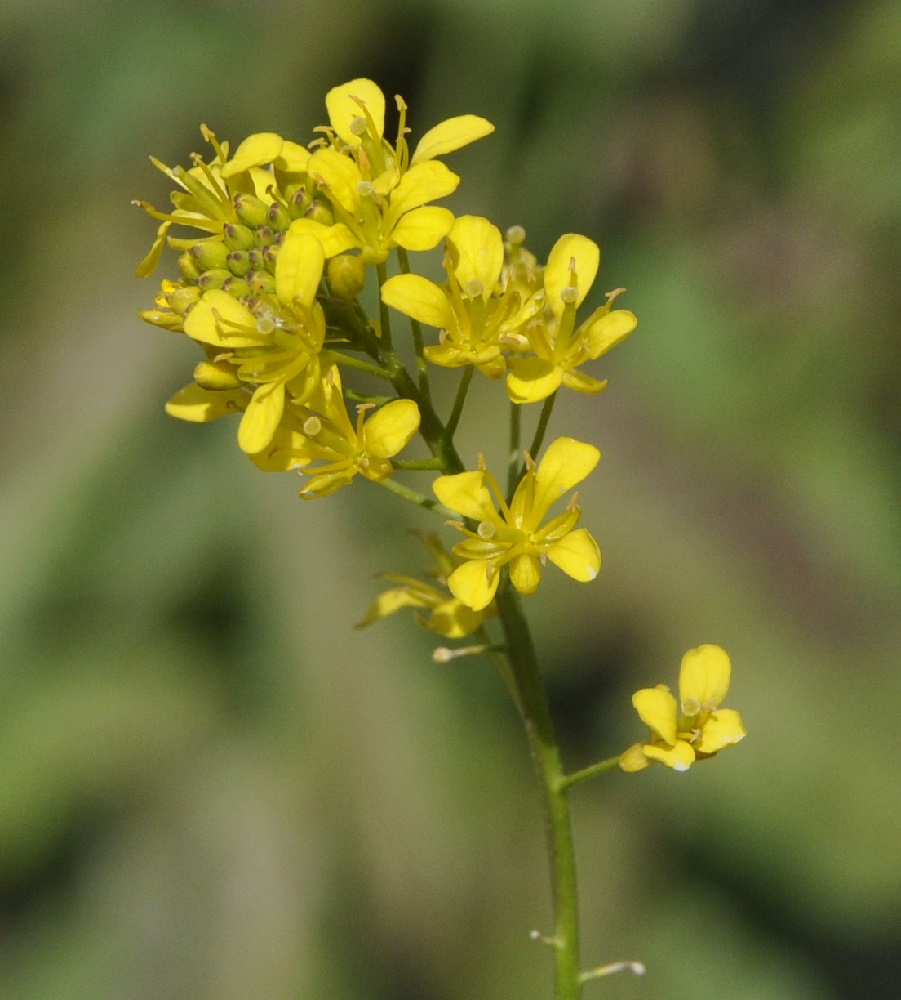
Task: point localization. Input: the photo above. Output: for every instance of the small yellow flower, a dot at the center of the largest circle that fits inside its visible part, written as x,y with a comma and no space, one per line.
516,535
274,348
559,346
693,728
318,438
472,317
379,193
437,609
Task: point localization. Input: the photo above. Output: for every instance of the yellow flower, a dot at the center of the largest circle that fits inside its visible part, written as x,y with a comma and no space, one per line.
515,535
321,432
275,347
559,346
438,610
695,727
378,192
472,317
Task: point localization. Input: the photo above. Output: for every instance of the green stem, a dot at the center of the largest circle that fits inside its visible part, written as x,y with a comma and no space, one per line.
384,314
540,430
420,499
513,474
358,363
421,365
590,772
459,400
533,706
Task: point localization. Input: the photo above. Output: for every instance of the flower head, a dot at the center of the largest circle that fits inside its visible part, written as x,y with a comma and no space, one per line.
471,311
693,728
559,347
517,534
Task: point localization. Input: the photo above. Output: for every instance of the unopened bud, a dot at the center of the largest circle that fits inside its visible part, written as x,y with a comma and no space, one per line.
250,210
318,211
261,281
210,254
279,219
237,237
183,298
188,267
236,287
264,236
216,375
346,276
238,262
213,279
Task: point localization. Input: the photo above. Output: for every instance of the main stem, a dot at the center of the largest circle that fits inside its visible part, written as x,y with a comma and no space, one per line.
533,705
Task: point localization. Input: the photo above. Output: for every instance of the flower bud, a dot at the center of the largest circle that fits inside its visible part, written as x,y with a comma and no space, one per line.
183,298
279,219
260,281
237,237
188,267
236,287
346,276
210,255
250,210
216,375
264,236
238,262
213,279
318,211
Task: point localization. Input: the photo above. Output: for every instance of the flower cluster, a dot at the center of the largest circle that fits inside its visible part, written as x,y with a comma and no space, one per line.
280,239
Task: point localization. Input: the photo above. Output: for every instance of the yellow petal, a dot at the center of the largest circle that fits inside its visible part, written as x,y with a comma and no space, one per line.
634,759
658,710
423,228
679,758
343,108
334,239
255,150
293,158
578,555
388,603
454,133
557,274
425,182
525,573
532,379
261,417
479,253
608,330
149,264
221,320
722,729
419,298
472,584
580,382
338,174
298,268
565,463
453,619
704,676
199,405
466,494
390,428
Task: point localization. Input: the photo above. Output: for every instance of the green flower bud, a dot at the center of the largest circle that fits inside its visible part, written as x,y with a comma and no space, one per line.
279,219
260,281
188,267
346,276
237,237
263,236
250,210
216,375
236,287
183,298
238,262
318,211
214,278
210,254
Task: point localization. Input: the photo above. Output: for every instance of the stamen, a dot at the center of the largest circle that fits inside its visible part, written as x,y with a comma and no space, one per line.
358,125
486,530
474,288
312,426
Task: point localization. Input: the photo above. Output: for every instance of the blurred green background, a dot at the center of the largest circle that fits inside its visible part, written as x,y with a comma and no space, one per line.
211,788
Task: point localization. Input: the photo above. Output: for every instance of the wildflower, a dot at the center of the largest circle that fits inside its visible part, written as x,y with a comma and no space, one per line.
515,534
321,432
695,727
559,346
273,347
472,317
379,193
440,611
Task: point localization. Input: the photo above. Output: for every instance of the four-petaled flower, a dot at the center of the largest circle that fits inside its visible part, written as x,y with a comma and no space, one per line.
472,317
515,534
559,346
693,728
